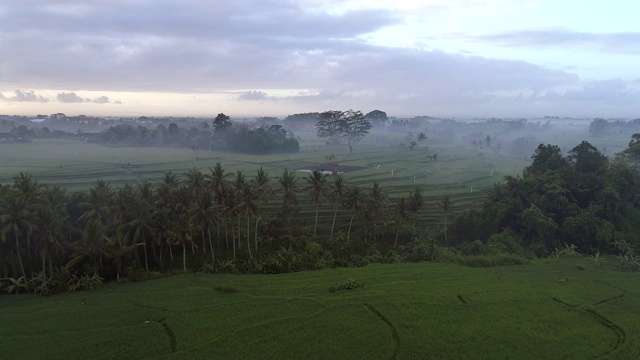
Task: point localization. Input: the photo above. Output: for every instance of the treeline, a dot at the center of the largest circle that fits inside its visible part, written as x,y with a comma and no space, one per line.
581,202
223,134
54,240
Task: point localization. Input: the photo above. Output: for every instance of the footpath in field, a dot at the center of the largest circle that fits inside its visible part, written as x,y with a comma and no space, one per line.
421,311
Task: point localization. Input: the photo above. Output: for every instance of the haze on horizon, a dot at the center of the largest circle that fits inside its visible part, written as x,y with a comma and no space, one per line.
454,58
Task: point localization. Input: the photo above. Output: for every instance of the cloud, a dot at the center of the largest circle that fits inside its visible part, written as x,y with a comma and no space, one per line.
118,102
102,100
24,96
620,42
70,97
253,95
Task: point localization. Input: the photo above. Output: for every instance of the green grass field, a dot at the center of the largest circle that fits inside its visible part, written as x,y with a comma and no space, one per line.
545,310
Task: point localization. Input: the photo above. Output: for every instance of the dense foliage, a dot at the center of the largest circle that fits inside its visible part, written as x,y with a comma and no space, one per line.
226,222
335,125
582,200
226,135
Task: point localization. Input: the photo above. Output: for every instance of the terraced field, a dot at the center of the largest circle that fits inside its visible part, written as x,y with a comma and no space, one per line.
464,173
546,310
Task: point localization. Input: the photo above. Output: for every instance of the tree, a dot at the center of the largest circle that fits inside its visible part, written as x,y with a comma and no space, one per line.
329,125
316,191
401,212
445,205
337,195
354,201
16,219
356,126
248,207
221,123
632,152
377,117
263,192
289,198
422,136
546,158
586,158
415,203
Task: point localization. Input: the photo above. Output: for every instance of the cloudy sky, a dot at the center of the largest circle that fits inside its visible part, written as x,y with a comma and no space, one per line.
455,58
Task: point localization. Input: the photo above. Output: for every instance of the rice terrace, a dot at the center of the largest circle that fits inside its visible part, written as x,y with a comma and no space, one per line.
389,248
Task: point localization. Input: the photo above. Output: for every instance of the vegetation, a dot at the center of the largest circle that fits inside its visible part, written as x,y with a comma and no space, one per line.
550,309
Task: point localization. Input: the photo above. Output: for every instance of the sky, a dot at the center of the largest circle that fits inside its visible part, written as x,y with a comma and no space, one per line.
443,58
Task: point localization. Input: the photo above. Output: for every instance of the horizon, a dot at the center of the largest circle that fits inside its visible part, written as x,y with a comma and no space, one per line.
462,58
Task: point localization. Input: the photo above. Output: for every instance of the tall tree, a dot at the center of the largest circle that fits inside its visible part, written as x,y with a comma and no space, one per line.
316,191
415,203
445,205
354,201
221,123
289,198
401,212
337,195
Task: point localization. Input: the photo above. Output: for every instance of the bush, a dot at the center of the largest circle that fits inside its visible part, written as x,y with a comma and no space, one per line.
485,260
473,248
504,243
348,284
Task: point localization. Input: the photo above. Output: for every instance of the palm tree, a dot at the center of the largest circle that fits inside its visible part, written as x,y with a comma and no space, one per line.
50,238
98,203
195,182
354,201
289,198
140,229
316,190
415,203
205,214
400,215
336,194
248,207
182,235
445,205
16,219
376,201
91,247
27,187
117,249
218,182
264,192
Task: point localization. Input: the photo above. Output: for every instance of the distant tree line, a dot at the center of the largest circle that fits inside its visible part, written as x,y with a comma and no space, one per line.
335,125
222,134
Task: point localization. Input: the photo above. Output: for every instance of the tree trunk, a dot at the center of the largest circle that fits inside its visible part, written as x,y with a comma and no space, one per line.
20,261
204,246
315,227
335,214
349,231
256,233
171,252
146,261
446,242
211,245
397,233
249,242
184,257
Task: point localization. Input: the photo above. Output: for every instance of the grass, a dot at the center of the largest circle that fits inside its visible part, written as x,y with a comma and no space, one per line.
421,311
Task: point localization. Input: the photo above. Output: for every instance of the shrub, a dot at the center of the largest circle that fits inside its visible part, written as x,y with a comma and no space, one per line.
225,289
504,243
348,284
473,248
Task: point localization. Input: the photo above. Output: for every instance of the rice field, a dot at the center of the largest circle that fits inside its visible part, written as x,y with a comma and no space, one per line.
553,309
464,173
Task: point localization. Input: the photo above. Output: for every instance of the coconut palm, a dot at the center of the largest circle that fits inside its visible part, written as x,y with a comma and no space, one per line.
98,203
264,192
16,219
218,182
354,201
205,214
195,181
336,193
316,191
289,197
248,207
415,203
117,249
400,215
50,236
182,235
140,229
445,205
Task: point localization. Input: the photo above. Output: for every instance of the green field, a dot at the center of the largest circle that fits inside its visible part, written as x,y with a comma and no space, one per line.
546,310
76,165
